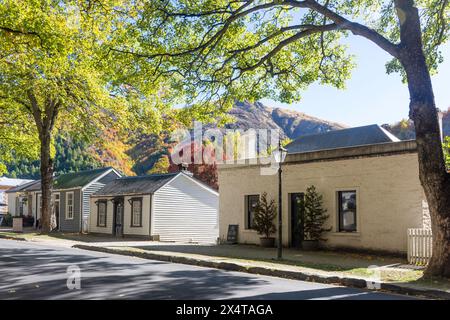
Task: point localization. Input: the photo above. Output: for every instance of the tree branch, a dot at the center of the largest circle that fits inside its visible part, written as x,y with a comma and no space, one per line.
285,42
21,32
273,35
343,23
236,15
35,110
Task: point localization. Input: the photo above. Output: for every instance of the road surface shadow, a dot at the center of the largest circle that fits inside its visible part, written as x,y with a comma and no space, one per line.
42,274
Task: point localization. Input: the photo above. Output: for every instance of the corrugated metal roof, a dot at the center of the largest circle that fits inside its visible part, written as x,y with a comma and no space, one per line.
351,137
135,185
77,179
30,186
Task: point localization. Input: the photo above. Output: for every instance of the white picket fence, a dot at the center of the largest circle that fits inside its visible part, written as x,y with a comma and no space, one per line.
420,243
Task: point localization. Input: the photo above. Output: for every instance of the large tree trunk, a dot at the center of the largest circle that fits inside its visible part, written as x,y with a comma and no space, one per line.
432,172
45,122
46,181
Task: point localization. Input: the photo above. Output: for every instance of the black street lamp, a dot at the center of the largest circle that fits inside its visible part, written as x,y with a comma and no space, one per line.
280,155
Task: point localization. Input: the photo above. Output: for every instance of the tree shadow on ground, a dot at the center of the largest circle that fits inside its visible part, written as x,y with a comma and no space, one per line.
42,274
35,272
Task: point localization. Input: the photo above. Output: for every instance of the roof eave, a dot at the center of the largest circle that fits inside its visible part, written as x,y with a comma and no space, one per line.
121,194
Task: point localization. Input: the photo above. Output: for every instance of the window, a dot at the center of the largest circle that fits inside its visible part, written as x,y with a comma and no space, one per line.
101,213
251,203
136,212
347,211
21,206
69,205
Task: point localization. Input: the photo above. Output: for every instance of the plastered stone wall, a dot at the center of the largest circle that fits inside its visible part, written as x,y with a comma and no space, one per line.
389,198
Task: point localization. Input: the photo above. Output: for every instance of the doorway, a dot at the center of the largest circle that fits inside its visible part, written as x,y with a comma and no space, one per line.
297,231
56,202
118,217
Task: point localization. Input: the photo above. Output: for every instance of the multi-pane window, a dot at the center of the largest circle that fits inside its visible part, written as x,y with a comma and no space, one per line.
136,212
251,203
347,211
101,213
69,205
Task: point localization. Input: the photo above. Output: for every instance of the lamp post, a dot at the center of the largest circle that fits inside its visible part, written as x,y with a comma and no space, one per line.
280,155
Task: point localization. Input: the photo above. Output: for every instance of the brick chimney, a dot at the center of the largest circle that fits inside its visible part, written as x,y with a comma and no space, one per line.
184,167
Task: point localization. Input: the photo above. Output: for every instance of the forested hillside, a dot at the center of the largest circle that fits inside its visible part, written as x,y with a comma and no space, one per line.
71,155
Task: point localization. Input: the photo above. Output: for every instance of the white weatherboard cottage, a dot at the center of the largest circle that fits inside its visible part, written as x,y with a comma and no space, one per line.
165,207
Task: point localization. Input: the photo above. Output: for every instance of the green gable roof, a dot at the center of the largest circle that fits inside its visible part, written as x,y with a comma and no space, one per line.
77,179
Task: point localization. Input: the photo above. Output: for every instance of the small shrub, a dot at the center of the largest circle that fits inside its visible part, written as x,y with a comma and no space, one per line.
265,214
314,215
7,220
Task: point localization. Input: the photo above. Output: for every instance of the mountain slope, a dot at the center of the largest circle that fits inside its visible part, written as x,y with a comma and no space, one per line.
147,151
291,124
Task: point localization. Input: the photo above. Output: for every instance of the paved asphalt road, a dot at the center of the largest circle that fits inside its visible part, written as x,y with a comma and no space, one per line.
35,271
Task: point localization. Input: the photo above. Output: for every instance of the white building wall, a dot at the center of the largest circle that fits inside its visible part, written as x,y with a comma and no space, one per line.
94,214
12,203
144,230
85,203
186,211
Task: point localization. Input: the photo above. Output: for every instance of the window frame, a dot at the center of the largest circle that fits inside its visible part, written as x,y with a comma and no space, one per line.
132,222
105,202
21,206
247,209
67,205
340,227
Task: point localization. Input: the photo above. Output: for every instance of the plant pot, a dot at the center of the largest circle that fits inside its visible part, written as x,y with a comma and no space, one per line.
310,245
267,242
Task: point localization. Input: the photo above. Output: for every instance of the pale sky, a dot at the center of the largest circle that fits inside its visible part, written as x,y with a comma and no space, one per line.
371,96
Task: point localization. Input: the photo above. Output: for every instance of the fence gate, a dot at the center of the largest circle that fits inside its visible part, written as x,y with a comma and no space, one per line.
420,243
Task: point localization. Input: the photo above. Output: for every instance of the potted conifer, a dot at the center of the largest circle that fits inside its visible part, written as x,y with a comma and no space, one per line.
314,217
265,214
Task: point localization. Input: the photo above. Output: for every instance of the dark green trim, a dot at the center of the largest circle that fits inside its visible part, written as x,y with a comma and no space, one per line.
340,212
247,210
131,201
105,202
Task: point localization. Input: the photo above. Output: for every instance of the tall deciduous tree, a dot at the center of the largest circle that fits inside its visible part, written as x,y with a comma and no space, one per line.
247,49
55,73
